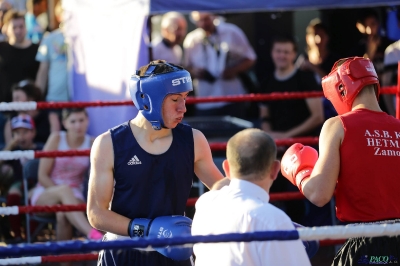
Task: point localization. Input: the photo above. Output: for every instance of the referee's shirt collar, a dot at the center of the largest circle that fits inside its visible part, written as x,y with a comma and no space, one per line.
250,189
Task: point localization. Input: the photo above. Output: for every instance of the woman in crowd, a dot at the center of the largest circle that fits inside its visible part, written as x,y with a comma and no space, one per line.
61,179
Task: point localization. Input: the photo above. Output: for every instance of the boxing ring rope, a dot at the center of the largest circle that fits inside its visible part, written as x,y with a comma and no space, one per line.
49,259
332,234
215,146
16,210
314,233
94,256
27,106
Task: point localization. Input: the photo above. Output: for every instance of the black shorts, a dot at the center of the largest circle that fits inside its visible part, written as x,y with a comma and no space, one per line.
369,251
137,257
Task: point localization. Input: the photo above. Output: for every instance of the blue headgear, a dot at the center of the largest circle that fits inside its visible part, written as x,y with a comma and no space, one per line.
149,90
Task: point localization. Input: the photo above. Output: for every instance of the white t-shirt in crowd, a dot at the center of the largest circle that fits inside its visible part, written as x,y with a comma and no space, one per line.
392,54
224,48
243,207
170,54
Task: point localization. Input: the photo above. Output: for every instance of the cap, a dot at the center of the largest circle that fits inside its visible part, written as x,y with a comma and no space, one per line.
22,121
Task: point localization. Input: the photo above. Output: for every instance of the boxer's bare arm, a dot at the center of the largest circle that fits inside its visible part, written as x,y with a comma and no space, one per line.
204,166
101,186
320,187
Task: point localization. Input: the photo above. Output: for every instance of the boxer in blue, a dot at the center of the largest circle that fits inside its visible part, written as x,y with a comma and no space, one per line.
142,170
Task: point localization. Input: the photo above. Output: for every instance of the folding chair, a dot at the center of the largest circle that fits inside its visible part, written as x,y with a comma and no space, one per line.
30,175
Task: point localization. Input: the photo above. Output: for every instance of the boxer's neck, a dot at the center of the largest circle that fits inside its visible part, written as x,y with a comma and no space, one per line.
142,128
366,101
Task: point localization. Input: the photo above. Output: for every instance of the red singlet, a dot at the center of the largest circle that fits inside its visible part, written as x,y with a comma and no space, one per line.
369,179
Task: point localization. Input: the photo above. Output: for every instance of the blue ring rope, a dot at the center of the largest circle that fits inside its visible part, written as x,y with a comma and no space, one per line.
75,246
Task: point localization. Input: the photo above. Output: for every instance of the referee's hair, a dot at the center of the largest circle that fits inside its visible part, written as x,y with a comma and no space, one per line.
250,153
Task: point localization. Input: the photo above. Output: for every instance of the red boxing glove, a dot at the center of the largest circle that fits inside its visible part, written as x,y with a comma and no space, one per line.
297,163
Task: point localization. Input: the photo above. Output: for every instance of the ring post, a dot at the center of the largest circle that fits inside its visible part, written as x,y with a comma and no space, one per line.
398,92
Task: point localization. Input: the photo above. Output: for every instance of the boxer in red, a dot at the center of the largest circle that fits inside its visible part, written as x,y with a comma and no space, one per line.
359,158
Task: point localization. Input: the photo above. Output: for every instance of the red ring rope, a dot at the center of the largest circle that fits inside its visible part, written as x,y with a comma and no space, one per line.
215,146
191,100
71,257
283,196
54,208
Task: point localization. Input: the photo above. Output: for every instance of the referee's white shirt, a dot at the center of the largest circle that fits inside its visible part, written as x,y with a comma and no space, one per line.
238,208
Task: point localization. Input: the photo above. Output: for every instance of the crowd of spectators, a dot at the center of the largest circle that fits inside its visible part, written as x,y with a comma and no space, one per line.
33,67
220,58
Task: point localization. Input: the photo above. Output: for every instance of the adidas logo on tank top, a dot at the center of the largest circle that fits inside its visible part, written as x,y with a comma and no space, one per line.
135,160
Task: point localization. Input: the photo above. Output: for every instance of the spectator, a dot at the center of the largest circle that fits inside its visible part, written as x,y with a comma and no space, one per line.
45,121
215,54
320,58
290,118
390,73
320,61
17,59
243,207
61,178
23,134
36,19
173,31
52,55
4,7
373,44
17,56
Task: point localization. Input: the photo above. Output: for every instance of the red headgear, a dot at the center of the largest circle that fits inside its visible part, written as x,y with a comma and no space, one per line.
347,78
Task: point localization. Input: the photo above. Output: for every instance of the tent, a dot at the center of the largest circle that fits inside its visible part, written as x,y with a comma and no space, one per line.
159,6
108,41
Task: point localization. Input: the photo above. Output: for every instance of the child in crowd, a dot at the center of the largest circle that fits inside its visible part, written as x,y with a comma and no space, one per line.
45,121
23,135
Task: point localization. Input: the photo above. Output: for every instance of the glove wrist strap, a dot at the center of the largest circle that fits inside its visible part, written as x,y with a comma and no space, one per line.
301,177
129,227
139,227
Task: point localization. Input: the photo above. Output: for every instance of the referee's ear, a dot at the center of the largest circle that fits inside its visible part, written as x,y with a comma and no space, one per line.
274,170
226,167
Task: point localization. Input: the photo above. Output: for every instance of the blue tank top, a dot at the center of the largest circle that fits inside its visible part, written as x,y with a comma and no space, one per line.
148,185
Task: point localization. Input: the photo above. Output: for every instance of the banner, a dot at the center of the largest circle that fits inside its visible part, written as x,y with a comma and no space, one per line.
107,43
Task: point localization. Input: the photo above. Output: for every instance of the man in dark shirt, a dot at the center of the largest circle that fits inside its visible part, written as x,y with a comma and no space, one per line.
290,118
17,56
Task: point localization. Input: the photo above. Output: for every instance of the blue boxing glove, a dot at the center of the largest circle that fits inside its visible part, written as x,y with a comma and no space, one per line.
310,246
164,227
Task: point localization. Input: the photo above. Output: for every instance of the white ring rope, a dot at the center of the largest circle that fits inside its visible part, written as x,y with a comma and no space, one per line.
12,210
314,233
21,261
14,155
18,106
348,231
